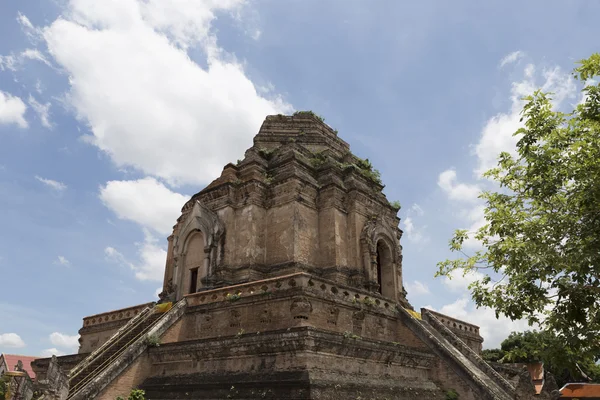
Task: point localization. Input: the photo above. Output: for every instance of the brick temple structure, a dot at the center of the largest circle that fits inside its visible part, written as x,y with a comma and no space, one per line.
283,280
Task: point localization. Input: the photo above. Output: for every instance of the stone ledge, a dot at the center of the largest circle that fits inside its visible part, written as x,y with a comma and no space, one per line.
115,315
255,289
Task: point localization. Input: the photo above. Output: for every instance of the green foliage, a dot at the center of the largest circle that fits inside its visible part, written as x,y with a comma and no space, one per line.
350,335
135,394
318,160
266,153
546,347
268,178
526,347
492,355
233,297
365,168
451,394
542,231
320,118
153,341
369,302
396,204
3,387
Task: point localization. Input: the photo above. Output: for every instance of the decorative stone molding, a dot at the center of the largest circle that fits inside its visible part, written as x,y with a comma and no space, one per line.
198,218
234,318
374,231
111,316
300,308
332,316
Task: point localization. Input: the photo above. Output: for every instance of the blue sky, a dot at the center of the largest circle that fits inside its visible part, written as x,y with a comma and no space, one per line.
113,112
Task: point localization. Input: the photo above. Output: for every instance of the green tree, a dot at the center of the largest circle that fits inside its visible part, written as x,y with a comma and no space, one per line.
543,346
492,355
540,253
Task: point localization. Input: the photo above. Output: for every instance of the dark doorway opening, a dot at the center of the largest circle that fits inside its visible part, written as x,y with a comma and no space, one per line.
193,280
379,269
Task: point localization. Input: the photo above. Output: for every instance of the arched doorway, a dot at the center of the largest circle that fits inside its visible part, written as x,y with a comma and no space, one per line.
194,264
385,269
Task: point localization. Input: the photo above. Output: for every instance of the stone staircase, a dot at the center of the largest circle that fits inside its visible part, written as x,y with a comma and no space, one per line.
483,379
95,372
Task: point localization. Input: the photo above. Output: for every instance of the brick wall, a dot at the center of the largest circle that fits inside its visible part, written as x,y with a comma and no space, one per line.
132,377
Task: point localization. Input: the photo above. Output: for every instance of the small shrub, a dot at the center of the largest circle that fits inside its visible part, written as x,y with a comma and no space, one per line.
396,204
320,118
153,341
350,335
318,160
451,394
266,153
135,394
233,297
368,302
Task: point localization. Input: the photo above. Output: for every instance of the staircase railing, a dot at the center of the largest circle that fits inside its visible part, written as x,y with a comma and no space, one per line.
428,333
127,327
75,390
469,352
118,352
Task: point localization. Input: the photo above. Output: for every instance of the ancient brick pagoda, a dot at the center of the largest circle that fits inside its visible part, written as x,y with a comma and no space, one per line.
285,278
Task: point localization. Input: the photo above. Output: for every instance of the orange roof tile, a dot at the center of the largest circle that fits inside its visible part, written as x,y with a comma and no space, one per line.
581,391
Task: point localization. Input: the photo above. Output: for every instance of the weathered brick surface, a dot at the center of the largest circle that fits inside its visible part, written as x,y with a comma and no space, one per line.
448,379
291,245
132,377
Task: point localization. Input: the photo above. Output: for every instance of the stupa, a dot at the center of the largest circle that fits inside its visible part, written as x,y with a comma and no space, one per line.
283,280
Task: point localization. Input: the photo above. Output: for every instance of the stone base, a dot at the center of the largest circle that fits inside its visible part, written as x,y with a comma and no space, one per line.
299,363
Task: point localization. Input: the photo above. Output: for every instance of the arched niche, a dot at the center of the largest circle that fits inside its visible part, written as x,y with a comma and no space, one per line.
197,249
386,278
194,262
381,254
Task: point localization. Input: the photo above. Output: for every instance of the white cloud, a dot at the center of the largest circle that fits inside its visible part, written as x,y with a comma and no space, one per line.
493,330
42,110
458,281
152,259
416,288
38,87
417,210
498,133
511,58
12,109
62,260
34,34
457,191
11,340
51,352
135,85
130,200
64,341
33,54
56,185
8,63
413,233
